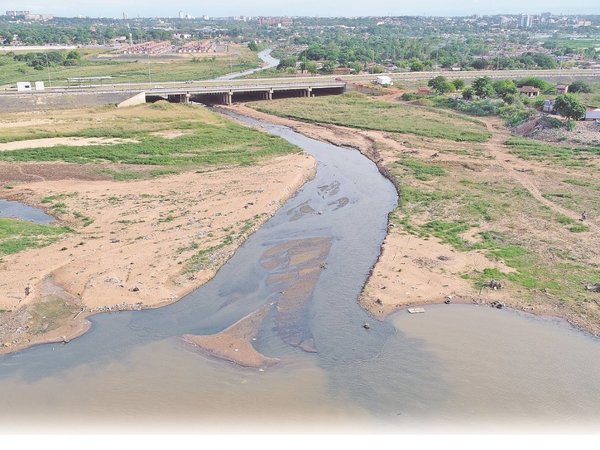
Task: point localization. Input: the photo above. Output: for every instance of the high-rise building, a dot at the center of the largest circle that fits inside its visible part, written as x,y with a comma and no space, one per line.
526,21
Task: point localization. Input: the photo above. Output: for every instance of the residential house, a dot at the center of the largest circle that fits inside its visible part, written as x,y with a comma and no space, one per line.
562,88
529,91
342,71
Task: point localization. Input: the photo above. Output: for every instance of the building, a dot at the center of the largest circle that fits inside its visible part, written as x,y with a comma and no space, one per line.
562,88
148,48
198,47
526,21
342,71
17,13
23,86
548,106
39,17
594,114
275,21
529,91
424,90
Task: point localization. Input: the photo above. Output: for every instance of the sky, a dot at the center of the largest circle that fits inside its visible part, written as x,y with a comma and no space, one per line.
320,8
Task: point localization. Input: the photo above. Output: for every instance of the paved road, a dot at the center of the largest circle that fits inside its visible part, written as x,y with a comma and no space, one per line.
307,81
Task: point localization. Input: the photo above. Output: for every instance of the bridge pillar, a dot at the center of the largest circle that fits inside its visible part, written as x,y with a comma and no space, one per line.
270,94
229,98
308,92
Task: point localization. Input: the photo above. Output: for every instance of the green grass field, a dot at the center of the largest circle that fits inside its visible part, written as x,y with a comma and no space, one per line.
18,235
360,111
131,69
205,139
542,151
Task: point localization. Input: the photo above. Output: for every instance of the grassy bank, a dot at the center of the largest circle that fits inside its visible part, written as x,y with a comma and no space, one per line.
453,190
95,63
161,134
361,111
18,235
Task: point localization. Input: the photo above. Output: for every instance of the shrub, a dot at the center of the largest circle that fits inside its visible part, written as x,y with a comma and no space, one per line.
580,86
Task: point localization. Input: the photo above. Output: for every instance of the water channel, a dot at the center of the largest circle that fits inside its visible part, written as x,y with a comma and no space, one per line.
265,56
454,365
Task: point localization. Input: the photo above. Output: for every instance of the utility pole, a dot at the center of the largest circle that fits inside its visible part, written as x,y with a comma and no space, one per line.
372,61
149,74
48,67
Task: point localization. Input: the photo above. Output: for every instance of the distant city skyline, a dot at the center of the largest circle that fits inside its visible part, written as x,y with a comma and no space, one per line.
348,8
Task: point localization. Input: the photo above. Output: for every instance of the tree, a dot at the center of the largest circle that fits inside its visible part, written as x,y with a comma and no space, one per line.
310,66
478,64
542,85
467,93
580,86
458,84
415,65
504,88
252,45
440,85
328,67
568,106
357,67
483,87
286,63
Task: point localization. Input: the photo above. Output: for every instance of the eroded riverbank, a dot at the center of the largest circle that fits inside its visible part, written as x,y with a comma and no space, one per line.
413,269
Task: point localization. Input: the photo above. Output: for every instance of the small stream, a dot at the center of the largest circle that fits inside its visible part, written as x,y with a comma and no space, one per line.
456,364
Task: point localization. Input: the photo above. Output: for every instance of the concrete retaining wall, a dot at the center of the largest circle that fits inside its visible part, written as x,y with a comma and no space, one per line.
39,102
137,99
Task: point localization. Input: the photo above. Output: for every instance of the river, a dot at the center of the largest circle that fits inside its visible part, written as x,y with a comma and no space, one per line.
454,366
265,57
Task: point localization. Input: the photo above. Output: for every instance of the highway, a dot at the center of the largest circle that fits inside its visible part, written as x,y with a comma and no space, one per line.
303,82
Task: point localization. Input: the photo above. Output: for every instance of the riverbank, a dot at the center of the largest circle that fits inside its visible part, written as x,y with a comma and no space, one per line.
135,235
148,243
418,268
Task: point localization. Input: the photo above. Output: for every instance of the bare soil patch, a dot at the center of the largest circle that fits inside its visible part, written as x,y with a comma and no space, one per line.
139,244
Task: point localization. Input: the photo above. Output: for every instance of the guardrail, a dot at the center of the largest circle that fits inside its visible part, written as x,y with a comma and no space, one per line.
309,81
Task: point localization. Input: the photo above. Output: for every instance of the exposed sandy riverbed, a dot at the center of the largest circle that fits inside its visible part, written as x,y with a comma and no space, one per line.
68,141
415,271
149,242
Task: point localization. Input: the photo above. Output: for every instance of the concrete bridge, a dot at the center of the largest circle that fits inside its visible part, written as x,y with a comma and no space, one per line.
228,93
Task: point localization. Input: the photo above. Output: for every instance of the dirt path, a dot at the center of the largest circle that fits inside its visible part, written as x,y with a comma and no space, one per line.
497,148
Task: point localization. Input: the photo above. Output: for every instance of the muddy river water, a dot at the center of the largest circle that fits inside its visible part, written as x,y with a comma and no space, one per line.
455,365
